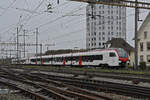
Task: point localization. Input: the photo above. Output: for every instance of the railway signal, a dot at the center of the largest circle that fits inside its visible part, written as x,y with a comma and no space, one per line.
124,3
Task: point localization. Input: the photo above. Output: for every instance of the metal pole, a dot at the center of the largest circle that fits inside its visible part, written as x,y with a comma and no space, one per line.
10,58
136,33
36,43
17,46
24,42
41,52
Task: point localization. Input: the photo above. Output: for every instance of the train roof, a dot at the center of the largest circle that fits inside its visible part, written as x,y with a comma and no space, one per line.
77,53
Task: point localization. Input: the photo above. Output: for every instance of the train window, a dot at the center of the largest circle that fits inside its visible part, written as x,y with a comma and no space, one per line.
46,59
50,59
32,60
89,58
98,57
66,59
58,59
38,59
112,54
85,58
75,58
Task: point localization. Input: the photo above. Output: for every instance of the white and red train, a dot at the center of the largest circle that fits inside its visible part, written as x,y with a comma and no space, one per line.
107,57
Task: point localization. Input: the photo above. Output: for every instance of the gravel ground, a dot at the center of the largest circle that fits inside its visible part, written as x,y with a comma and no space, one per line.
114,96
97,78
12,97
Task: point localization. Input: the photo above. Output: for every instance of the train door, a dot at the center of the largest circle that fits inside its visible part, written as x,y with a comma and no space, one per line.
80,60
113,59
64,61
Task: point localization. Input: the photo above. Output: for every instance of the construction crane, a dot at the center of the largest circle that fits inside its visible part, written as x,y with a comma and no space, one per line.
124,3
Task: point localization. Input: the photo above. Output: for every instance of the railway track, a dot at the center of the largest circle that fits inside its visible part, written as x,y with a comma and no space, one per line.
123,89
90,74
56,93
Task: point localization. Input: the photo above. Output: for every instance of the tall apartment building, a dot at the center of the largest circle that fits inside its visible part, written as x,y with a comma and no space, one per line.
107,22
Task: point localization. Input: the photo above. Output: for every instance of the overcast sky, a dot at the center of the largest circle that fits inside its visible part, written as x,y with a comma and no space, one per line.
65,27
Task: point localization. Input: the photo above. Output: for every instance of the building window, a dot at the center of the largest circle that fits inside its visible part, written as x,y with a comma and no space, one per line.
148,58
99,7
112,22
117,28
117,12
112,17
103,7
103,22
103,44
117,17
103,33
141,58
103,27
141,46
99,38
117,22
108,22
99,33
99,44
145,34
103,12
117,34
103,38
120,28
99,22
112,27
148,45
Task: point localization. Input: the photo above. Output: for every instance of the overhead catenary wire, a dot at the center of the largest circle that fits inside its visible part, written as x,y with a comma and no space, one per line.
52,24
5,10
105,22
102,23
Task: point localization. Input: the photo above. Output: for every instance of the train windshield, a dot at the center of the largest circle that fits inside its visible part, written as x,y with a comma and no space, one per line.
122,53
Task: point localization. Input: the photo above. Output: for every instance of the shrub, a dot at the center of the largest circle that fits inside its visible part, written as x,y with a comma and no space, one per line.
142,65
130,67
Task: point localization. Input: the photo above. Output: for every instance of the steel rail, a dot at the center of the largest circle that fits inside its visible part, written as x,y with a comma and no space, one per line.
120,88
59,91
31,94
86,93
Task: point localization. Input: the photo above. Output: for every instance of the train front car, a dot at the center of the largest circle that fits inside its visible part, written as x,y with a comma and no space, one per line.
123,57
